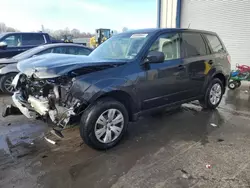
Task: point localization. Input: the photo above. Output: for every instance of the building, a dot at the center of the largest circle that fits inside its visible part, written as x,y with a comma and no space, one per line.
229,18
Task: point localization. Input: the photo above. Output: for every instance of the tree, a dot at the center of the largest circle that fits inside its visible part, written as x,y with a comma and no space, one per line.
2,27
75,33
124,29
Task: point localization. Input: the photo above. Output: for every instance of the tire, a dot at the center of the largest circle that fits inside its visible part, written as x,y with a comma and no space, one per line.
111,135
238,83
232,85
213,95
5,83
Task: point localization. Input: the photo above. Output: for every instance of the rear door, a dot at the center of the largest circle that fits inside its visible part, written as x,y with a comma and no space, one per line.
197,59
14,42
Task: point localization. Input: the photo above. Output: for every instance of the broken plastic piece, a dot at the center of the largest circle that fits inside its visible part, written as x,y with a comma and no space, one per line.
214,125
208,166
50,141
57,133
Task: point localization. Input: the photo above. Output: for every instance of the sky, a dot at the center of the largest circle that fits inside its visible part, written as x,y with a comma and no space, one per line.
85,15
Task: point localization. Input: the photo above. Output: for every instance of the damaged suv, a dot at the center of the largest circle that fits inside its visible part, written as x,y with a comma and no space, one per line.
129,75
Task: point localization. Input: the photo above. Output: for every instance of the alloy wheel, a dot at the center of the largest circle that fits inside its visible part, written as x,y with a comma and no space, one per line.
215,94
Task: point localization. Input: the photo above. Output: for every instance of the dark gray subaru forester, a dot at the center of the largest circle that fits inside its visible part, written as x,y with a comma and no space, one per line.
127,76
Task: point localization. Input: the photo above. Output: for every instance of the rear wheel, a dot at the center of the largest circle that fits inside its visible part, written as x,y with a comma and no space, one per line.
6,81
213,95
104,123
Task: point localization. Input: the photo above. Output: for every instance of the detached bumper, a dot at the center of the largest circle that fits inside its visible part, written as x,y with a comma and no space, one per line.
21,105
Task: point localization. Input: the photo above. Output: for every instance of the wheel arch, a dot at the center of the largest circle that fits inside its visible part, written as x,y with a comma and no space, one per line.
124,98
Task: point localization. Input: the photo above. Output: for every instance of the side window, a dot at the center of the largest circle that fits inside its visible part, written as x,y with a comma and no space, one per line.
78,51
13,40
60,50
32,39
169,44
192,44
47,51
83,51
215,43
72,50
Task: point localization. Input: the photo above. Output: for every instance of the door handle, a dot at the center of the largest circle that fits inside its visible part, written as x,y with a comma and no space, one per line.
180,67
210,62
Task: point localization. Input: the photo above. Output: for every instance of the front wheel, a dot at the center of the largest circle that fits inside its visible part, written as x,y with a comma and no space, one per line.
6,81
213,94
104,123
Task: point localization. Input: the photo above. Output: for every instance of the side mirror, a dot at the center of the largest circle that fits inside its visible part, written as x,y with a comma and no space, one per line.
3,45
155,57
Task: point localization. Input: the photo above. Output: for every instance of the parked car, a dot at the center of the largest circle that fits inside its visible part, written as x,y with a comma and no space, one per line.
8,68
14,43
129,75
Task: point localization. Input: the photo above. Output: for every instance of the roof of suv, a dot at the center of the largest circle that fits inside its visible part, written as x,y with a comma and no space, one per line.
156,30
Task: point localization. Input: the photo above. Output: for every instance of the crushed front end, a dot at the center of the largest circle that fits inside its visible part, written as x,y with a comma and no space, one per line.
48,99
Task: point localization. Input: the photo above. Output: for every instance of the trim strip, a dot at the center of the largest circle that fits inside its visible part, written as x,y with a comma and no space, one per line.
178,14
158,13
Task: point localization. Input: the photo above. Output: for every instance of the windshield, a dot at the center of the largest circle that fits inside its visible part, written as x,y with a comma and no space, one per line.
29,53
1,35
125,46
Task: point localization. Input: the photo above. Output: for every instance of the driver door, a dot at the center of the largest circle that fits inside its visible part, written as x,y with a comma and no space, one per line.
164,82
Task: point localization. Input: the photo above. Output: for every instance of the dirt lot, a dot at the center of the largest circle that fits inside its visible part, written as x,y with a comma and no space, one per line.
171,150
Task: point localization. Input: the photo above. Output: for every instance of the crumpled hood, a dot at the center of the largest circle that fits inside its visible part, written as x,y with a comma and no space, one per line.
55,65
7,60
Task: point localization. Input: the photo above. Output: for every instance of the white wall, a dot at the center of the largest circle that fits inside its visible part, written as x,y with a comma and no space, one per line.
168,13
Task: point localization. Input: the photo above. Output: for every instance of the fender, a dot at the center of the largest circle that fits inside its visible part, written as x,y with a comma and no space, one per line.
9,69
91,92
211,74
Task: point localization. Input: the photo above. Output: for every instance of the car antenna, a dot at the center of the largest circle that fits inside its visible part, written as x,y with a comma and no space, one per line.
189,25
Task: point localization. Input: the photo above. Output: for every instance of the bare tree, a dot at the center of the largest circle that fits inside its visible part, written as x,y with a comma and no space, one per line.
124,29
75,33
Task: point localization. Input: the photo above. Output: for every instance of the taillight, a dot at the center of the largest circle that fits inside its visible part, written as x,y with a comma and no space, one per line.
229,59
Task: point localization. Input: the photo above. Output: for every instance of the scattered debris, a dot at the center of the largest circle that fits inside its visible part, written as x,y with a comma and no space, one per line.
214,125
32,143
57,133
184,174
246,91
220,140
9,124
50,141
44,156
208,166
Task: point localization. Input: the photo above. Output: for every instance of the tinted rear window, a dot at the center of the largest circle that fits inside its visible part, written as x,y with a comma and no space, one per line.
215,43
192,45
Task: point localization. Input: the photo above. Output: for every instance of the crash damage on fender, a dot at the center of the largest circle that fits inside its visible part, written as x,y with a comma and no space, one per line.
44,87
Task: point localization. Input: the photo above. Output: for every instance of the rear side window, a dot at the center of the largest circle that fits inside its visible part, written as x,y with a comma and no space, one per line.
32,39
215,43
60,50
47,51
192,44
78,51
83,51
